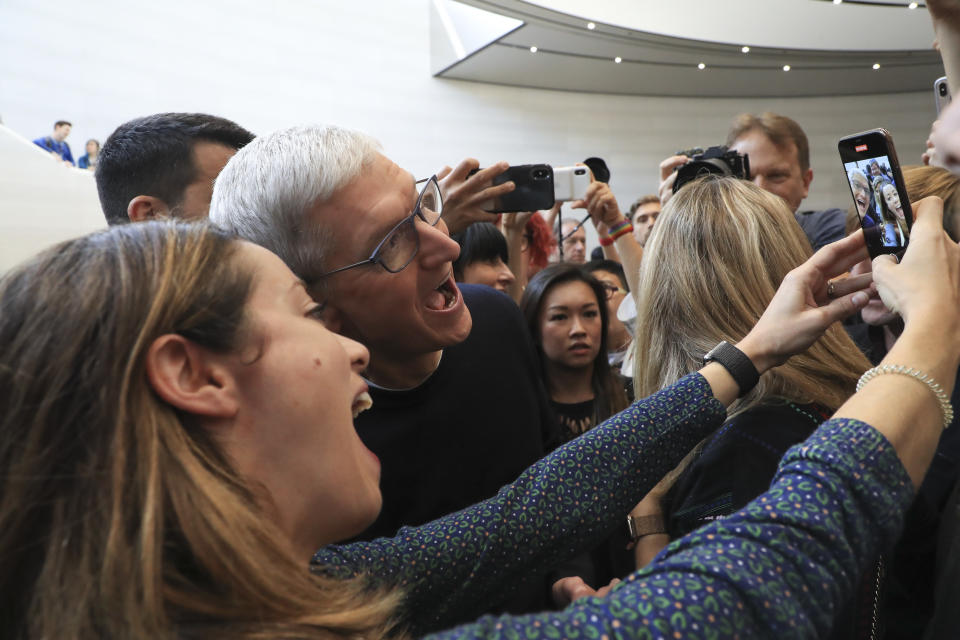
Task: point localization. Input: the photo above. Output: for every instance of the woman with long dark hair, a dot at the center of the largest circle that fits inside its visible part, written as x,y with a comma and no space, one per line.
566,313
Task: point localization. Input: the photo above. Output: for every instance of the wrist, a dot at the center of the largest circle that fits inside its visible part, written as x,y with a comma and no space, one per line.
762,358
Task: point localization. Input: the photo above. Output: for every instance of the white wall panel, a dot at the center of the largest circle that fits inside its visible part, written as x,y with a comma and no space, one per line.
366,65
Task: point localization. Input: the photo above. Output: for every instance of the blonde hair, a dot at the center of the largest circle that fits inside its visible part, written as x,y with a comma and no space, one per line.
714,260
119,516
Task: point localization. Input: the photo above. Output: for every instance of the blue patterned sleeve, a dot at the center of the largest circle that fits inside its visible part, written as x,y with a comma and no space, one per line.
779,568
456,567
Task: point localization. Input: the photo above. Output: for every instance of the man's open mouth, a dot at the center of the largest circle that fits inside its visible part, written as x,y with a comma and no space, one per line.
443,297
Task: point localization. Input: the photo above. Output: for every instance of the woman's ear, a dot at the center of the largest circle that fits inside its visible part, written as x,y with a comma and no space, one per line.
190,378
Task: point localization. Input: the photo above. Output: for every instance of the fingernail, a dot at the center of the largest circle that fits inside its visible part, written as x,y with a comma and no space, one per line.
860,299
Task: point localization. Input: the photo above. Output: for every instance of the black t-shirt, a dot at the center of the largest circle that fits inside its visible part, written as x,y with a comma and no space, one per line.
470,428
573,418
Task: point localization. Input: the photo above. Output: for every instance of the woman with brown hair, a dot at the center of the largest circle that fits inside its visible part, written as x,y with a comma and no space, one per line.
176,438
714,261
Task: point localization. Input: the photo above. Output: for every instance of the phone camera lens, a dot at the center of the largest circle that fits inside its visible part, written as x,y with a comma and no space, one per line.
579,172
539,174
943,89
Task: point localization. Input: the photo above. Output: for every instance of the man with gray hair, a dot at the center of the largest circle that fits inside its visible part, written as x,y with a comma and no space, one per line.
459,408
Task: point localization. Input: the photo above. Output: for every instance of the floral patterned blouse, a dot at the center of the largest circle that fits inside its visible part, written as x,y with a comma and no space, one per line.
779,568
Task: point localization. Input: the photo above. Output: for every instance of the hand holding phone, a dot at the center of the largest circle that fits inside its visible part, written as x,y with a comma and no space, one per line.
533,189
879,195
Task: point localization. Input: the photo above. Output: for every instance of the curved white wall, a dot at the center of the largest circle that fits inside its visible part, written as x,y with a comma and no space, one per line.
366,65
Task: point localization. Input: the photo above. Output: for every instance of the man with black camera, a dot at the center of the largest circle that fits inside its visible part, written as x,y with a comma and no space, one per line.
779,162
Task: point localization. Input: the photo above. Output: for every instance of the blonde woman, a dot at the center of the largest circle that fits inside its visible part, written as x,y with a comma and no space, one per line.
720,249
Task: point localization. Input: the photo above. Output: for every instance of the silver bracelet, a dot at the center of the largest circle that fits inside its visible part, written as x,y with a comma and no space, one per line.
945,407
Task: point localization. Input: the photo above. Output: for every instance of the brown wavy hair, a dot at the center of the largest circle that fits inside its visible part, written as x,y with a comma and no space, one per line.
119,517
714,259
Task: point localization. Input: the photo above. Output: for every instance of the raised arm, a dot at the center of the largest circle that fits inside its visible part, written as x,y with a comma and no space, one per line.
783,565
459,565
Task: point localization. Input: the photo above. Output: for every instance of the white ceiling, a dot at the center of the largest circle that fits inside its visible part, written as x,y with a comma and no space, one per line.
572,57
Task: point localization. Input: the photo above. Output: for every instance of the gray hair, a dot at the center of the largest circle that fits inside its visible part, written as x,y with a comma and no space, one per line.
264,191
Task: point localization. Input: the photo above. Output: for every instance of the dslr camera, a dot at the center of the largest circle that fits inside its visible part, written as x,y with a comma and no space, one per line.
719,161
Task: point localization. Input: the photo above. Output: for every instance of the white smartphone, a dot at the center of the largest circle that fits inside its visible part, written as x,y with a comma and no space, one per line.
941,93
570,183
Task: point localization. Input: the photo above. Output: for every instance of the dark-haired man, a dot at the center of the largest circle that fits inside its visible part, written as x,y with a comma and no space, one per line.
56,143
164,165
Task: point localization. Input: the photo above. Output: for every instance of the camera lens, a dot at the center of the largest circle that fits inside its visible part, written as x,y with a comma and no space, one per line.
943,89
539,174
579,172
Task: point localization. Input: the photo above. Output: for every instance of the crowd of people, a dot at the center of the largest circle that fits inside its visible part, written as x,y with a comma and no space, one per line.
294,392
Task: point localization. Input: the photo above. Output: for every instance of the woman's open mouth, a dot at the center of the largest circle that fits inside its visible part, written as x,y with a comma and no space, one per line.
361,403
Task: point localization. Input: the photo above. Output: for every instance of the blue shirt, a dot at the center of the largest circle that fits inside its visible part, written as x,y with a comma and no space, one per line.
62,149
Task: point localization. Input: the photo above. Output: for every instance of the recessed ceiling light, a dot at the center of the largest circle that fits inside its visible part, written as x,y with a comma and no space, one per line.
533,49
618,59
786,67
876,66
744,49
837,1
701,66
591,26
912,5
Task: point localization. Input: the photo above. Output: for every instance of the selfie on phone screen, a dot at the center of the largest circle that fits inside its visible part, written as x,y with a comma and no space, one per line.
878,202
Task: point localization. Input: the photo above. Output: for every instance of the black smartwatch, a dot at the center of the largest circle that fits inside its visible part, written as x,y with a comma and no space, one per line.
737,364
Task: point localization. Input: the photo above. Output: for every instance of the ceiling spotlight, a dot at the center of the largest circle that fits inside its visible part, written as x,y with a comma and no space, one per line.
744,49
591,26
786,67
701,66
912,5
533,49
618,59
837,1
876,66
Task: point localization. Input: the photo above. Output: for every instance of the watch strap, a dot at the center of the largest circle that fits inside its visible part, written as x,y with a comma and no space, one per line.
736,362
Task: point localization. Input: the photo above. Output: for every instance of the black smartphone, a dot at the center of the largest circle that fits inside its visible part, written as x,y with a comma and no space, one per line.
879,195
533,189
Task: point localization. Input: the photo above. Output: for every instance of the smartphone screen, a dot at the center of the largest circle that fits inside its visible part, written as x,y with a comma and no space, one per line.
876,184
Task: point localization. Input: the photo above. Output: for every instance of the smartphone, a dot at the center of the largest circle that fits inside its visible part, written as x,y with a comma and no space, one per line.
533,189
879,195
941,93
570,183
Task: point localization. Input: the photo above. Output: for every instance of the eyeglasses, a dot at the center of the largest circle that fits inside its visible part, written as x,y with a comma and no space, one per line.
401,244
612,289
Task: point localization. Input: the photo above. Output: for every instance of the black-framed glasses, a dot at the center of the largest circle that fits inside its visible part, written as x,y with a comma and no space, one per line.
611,289
401,244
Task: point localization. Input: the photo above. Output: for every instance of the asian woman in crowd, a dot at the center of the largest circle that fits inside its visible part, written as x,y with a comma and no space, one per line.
483,258
89,159
177,440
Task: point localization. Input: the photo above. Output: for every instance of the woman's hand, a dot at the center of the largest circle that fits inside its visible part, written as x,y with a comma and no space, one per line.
926,284
801,310
600,202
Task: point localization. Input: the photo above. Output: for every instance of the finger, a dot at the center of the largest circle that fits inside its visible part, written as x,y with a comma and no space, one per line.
443,172
850,285
486,176
466,166
491,192
667,166
843,307
838,257
928,216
